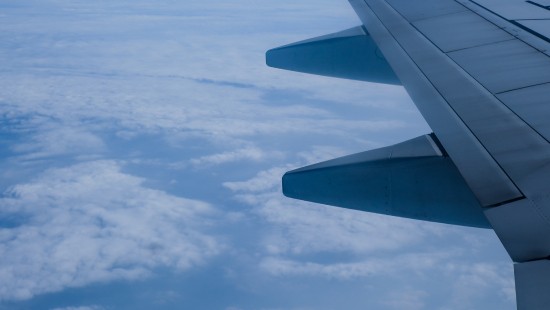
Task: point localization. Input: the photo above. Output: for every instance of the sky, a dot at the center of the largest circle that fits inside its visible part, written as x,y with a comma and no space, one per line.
142,145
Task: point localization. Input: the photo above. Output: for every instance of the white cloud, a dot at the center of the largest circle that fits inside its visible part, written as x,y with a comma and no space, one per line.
157,104
198,78
340,228
249,153
319,153
189,71
475,279
81,308
113,68
408,299
91,223
263,181
366,268
60,140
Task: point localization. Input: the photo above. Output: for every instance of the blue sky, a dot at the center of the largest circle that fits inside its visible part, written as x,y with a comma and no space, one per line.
142,147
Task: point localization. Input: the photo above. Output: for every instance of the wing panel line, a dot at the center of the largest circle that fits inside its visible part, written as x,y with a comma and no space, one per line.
513,22
524,157
449,126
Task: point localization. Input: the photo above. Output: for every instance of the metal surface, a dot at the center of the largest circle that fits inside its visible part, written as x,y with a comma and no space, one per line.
532,104
533,285
543,2
521,151
460,31
504,66
411,179
430,77
515,9
513,141
522,228
511,26
540,26
349,54
427,9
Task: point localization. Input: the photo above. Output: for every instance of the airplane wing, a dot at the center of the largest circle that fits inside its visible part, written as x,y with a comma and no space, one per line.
479,72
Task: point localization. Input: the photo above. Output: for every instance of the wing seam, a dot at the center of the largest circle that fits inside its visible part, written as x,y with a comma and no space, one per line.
471,76
477,139
513,22
477,81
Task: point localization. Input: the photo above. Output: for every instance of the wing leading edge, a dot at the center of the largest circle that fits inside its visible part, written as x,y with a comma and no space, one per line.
481,78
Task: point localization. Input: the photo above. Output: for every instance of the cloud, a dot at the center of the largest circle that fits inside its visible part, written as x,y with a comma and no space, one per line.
126,71
191,75
477,278
263,181
340,229
164,105
81,308
59,140
319,153
410,299
367,268
249,153
91,223
170,70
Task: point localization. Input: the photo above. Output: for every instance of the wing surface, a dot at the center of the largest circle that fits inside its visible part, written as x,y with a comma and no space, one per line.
479,72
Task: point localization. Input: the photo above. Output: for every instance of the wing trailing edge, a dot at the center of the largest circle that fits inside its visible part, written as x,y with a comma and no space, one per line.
349,54
412,179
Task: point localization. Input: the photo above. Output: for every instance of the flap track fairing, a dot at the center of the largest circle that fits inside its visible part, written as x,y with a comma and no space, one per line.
349,54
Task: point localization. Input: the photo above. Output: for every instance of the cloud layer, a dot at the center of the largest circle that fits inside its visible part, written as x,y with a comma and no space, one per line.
91,223
111,113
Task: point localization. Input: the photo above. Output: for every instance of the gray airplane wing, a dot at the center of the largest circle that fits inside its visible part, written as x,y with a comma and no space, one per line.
479,72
